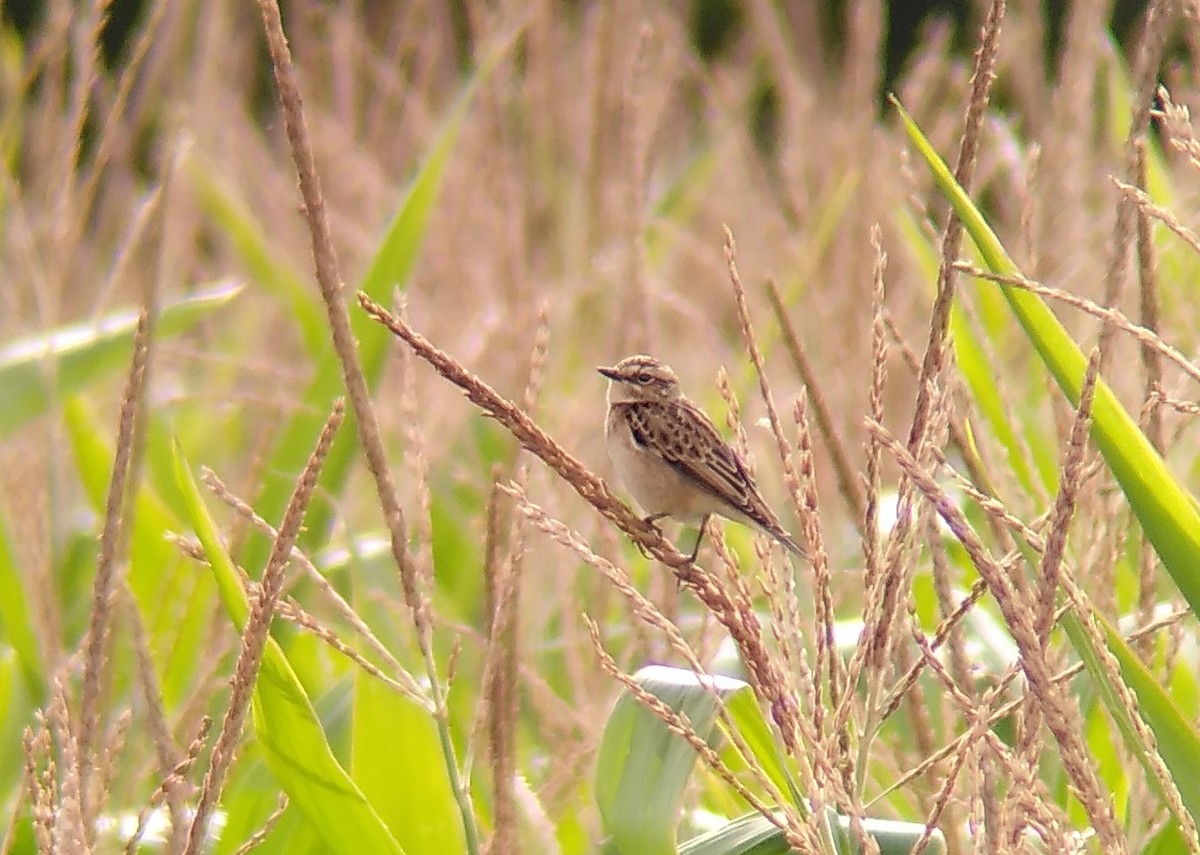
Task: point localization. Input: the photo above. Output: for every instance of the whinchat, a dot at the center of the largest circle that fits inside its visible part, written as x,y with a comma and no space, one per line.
671,457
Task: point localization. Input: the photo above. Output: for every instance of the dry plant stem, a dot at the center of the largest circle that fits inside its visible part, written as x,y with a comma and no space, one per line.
1152,366
110,537
256,839
964,170
1149,56
1052,560
1145,337
418,475
504,637
883,625
1061,717
289,610
1177,122
42,798
800,837
803,495
255,634
1112,674
879,352
71,825
846,477
1157,212
329,282
1008,709
1064,503
172,782
164,743
976,733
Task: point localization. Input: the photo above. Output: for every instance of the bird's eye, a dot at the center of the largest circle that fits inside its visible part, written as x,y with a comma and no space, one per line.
644,378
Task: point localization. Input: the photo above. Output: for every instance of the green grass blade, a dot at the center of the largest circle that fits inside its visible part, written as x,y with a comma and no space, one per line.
66,360
1177,739
16,622
289,733
1166,511
175,606
268,271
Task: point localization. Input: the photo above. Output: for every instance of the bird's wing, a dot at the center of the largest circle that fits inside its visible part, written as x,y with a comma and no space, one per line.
684,437
687,440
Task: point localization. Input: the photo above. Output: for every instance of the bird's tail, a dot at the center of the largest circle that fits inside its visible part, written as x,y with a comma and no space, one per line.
792,544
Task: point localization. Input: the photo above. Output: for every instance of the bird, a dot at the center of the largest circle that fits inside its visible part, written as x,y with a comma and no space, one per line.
673,460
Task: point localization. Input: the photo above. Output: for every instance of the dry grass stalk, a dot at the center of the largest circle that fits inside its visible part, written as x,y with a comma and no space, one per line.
164,744
255,634
1112,675
504,637
1152,367
1144,337
173,782
1064,503
804,499
933,365
1063,511
1158,212
1060,714
417,462
847,478
41,785
1011,707
110,538
1145,73
290,610
256,839
1177,122
330,284
976,716
872,560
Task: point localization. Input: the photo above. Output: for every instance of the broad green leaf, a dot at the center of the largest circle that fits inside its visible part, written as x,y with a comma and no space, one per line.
754,834
1167,512
398,762
286,725
747,716
642,767
36,370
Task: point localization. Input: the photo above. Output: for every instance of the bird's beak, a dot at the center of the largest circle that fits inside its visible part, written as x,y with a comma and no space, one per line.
610,373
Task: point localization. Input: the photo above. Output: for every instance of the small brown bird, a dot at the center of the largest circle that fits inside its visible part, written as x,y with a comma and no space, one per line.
672,458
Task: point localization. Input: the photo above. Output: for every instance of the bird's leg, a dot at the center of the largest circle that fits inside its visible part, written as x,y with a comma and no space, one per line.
651,521
699,539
